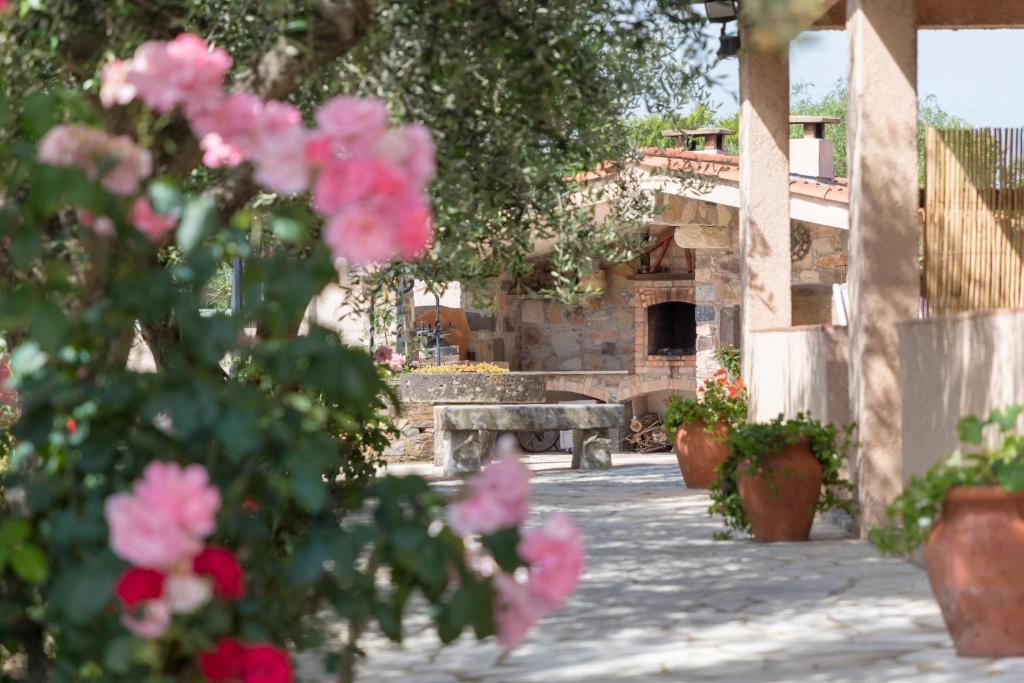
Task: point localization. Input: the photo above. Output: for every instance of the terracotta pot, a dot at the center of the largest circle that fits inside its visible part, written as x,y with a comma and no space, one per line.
699,453
780,503
975,560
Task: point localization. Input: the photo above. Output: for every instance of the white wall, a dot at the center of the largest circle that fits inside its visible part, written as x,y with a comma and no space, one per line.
950,366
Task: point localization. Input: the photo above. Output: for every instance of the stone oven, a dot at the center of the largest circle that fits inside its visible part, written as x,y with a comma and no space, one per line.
671,329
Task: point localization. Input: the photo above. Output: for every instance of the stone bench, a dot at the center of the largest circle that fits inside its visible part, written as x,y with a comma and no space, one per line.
465,434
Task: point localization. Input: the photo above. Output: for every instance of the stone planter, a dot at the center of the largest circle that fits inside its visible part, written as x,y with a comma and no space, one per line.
781,501
975,560
699,453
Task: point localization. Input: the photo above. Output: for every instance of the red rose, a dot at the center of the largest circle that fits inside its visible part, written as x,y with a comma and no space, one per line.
139,585
221,566
250,505
223,663
265,664
71,425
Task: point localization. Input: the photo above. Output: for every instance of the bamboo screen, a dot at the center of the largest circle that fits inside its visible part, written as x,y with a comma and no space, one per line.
974,219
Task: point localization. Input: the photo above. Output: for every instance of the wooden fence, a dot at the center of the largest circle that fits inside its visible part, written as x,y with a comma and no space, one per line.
974,219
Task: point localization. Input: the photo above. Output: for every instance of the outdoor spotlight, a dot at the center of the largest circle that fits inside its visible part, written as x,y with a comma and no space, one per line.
720,11
728,46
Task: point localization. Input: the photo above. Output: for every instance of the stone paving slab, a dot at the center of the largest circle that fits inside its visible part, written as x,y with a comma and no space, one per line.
661,601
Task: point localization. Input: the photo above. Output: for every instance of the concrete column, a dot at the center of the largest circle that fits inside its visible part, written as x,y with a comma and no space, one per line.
765,266
884,282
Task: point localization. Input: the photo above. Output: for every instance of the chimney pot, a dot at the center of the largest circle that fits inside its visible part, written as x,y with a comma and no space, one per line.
713,139
812,156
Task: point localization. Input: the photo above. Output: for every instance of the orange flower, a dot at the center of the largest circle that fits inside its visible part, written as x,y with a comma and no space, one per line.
723,381
721,371
732,392
739,383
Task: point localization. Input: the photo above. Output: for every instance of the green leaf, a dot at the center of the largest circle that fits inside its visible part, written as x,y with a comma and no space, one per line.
198,220
47,325
969,428
1009,474
29,564
84,593
165,197
288,229
502,545
117,656
14,532
1006,418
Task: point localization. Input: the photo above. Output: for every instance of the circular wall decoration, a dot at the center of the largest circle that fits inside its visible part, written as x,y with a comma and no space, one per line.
800,243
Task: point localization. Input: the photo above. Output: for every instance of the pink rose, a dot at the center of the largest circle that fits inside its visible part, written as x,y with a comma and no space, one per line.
412,227
345,182
146,537
497,497
383,355
168,74
187,592
362,233
84,147
149,621
115,88
352,122
555,556
397,362
153,225
278,149
182,495
219,152
411,148
515,611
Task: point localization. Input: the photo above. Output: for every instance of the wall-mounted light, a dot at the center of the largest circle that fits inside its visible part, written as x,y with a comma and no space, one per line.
720,11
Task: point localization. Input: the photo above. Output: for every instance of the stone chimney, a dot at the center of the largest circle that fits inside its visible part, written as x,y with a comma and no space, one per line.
704,140
812,155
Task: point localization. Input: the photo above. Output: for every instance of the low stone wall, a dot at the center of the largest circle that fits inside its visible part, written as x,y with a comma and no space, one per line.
800,369
420,392
951,366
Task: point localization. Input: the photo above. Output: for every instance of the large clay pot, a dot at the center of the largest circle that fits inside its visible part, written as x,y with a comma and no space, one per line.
780,503
975,560
699,453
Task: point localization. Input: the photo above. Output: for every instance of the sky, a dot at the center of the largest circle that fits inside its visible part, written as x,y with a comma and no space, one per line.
977,75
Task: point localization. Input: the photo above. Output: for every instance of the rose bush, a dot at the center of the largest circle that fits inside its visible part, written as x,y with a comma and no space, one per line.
195,523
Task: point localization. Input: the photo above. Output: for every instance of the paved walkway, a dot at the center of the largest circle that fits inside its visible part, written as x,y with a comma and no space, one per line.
662,601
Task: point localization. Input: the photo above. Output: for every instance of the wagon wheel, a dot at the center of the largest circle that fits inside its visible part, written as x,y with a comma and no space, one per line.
537,442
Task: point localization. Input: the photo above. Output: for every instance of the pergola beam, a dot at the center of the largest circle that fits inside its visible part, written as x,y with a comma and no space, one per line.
941,14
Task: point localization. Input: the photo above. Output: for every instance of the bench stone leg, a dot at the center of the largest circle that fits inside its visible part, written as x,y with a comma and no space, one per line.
487,440
461,452
591,449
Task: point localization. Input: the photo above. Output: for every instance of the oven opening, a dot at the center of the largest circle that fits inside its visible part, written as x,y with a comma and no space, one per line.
671,329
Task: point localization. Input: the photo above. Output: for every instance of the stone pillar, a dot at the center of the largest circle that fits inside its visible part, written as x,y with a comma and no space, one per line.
883,281
591,449
765,265
462,452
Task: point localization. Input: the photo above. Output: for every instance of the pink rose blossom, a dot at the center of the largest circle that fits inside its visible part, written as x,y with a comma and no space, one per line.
361,233
498,496
218,152
5,5
80,146
168,74
383,355
154,620
410,148
555,555
153,225
413,228
346,182
515,611
397,362
115,88
352,122
278,149
146,537
183,495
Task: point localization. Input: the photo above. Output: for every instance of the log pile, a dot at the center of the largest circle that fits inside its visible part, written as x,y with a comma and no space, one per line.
647,434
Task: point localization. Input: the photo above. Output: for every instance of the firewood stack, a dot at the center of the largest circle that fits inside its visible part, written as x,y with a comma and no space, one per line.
647,434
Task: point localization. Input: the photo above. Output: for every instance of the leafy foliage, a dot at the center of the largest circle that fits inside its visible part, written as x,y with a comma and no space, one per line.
723,399
913,513
290,440
751,444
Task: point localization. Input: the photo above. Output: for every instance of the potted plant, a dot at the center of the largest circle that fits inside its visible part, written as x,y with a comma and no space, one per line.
778,474
968,513
701,425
